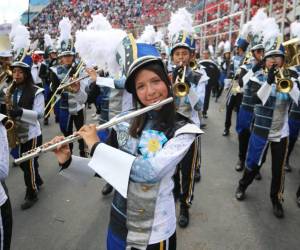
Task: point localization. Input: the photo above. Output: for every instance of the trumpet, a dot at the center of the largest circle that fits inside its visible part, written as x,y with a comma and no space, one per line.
117,119
180,87
283,82
193,65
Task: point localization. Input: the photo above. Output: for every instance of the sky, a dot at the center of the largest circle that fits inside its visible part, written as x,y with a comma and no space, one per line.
12,9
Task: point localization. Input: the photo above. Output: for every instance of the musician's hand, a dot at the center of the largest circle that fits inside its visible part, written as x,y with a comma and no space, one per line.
15,112
62,152
177,70
92,73
271,74
75,87
257,66
88,134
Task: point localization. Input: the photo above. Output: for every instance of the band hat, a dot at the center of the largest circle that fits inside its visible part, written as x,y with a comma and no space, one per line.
20,39
7,53
180,30
257,29
129,51
65,40
271,53
272,38
241,43
257,47
20,64
136,65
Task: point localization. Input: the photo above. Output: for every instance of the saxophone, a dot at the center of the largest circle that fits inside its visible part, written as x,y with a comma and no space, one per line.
10,124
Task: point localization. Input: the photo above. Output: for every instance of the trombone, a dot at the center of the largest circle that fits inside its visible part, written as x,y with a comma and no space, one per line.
63,86
63,82
180,87
117,119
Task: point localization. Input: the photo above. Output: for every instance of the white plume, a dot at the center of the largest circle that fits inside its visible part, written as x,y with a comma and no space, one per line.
221,45
211,50
14,26
48,41
99,23
148,36
271,29
159,36
295,29
98,47
246,30
257,22
181,20
227,46
20,37
65,27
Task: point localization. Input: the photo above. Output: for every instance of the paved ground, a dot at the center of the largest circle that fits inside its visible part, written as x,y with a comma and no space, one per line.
70,216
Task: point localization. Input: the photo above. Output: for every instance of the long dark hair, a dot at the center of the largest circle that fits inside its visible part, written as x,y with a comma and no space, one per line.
166,115
28,89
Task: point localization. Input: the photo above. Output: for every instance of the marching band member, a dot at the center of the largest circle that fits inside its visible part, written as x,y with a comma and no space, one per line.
72,99
25,106
44,74
5,72
226,68
150,147
235,97
271,120
294,118
37,59
213,72
248,69
188,106
6,220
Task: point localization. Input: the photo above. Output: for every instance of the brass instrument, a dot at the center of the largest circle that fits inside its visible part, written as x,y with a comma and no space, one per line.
193,65
56,99
247,58
292,54
50,147
180,87
63,86
283,82
10,124
5,74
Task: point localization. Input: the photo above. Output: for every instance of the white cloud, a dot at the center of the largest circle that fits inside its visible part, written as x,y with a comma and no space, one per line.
12,9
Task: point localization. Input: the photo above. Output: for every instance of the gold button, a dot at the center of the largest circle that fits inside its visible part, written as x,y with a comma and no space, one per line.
141,210
145,188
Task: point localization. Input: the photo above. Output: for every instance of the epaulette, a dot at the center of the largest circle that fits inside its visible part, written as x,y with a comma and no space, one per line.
3,118
259,77
38,90
188,128
247,66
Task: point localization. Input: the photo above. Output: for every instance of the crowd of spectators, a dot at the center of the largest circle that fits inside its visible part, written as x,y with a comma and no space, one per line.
133,15
214,9
130,15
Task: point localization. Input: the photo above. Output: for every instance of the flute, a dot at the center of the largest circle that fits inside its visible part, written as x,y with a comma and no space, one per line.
69,139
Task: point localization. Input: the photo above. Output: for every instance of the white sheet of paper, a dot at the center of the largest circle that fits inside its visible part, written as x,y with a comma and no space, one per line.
264,92
247,77
105,82
294,94
113,165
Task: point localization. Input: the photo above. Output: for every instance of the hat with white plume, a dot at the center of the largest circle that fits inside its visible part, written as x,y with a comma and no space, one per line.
21,42
181,30
65,40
